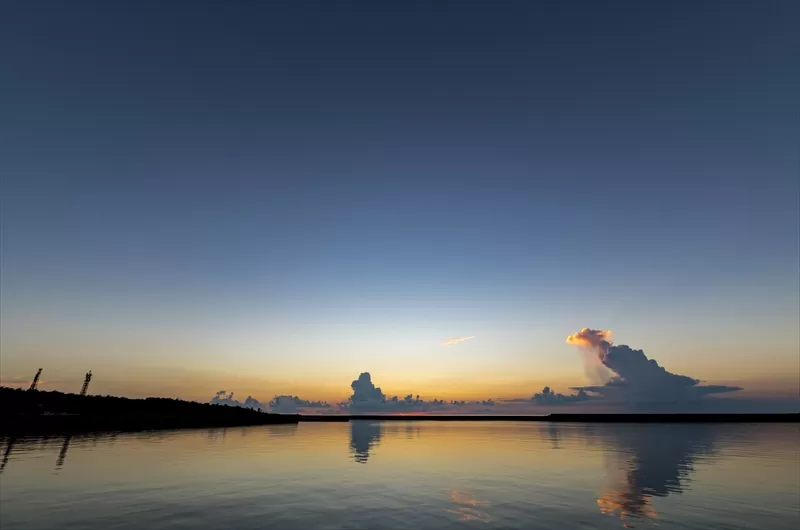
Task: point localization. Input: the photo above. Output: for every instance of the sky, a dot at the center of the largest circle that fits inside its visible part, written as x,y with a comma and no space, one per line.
273,197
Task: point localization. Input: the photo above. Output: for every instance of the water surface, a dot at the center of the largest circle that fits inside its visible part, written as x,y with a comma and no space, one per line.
420,475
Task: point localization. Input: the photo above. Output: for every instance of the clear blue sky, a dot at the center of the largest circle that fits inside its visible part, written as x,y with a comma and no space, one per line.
283,194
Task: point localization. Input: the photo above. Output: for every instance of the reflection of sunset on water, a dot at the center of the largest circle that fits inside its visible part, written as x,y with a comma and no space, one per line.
462,497
644,463
420,475
626,504
467,511
625,497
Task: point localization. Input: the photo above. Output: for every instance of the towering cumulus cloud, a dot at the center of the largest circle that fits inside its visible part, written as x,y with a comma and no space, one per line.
638,378
365,392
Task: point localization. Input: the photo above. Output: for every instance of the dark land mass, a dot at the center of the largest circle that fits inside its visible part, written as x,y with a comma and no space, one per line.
577,418
40,412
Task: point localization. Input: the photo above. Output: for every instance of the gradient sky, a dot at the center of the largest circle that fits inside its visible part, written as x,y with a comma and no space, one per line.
272,197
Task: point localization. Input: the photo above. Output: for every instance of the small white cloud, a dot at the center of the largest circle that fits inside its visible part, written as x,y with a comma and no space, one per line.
455,340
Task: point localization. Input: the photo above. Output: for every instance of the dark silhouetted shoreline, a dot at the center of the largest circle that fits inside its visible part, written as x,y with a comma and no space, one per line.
41,412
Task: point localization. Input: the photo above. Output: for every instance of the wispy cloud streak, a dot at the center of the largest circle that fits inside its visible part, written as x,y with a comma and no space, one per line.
456,340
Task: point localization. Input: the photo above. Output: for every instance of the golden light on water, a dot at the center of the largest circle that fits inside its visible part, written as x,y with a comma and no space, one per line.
626,504
467,510
462,497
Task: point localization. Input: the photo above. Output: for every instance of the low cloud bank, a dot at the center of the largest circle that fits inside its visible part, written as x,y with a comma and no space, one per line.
290,404
224,397
627,380
548,397
280,404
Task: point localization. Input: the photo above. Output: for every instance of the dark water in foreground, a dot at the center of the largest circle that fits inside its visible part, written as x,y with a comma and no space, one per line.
421,475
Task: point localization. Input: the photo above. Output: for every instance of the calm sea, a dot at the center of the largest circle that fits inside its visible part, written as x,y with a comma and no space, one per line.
416,475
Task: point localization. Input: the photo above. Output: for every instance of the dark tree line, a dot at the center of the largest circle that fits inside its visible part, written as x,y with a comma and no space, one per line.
22,410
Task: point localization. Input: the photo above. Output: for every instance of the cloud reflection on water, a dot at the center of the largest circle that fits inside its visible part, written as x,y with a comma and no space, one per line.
647,462
642,462
364,435
638,464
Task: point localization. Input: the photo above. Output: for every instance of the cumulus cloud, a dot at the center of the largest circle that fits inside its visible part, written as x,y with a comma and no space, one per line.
252,403
594,338
637,378
364,391
367,397
626,376
456,340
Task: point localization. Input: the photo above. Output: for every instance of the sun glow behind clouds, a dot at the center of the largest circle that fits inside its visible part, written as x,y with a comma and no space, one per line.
456,340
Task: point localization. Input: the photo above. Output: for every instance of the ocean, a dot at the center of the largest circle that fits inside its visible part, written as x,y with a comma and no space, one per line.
407,474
